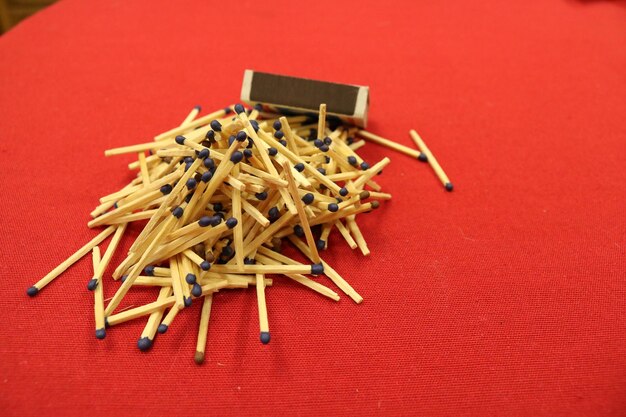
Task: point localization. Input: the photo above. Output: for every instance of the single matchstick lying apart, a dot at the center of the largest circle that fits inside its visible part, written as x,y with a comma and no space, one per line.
214,199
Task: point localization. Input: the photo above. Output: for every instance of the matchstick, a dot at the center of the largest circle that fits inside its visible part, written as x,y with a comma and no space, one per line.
432,160
263,321
98,299
203,328
108,254
421,156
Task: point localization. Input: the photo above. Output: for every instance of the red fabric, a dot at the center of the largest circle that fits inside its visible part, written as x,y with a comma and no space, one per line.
505,297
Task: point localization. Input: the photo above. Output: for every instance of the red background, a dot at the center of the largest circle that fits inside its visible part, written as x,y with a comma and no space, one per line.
505,297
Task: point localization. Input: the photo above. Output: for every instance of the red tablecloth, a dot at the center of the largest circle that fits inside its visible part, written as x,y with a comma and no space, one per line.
505,297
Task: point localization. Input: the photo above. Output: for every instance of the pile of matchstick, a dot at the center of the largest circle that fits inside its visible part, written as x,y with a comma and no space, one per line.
217,198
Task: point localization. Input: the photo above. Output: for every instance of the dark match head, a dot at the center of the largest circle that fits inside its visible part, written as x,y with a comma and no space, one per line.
204,221
261,196
265,337
204,153
123,278
178,212
188,302
320,244
324,148
327,141
188,159
241,136
422,157
239,108
318,143
180,139
299,167
215,220
352,160
279,134
206,176
205,265
149,270
308,198
283,142
321,170
187,166
449,186
144,344
92,284
298,230
198,358
364,195
191,184
277,125
228,110
32,291
255,125
247,153
210,135
248,261
350,140
273,213
231,222
162,328
375,204
216,126
364,165
272,151
101,334
166,189
209,163
258,107
333,207
231,139
236,157
250,143
317,269
190,279
196,291
343,192
115,205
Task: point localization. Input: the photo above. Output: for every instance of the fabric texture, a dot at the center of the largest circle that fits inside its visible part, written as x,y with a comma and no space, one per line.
505,297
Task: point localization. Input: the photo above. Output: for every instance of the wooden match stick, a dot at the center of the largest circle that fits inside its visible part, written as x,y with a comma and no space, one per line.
393,145
98,299
147,336
432,160
108,254
203,328
263,321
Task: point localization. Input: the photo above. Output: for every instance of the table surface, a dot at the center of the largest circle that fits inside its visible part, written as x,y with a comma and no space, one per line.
505,297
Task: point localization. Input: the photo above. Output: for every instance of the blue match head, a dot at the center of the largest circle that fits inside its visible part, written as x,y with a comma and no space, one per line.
197,107
115,205
327,159
231,222
343,192
324,148
101,334
327,141
265,337
277,125
177,212
188,302
255,125
206,176
32,291
205,265
321,170
191,183
231,139
364,165
144,344
204,221
239,108
210,135
313,134
308,198
283,142
218,207
449,186
258,107
333,207
106,322
123,278
196,291
228,110
261,196
187,166
350,140
318,143
241,136
188,159
190,279
247,153
250,143
299,167
248,261
180,139
227,251
422,157
216,126
162,328
204,153
272,151
236,157
298,230
215,220
148,270
166,189
352,160
209,163
273,213
279,134
320,244
92,284
317,269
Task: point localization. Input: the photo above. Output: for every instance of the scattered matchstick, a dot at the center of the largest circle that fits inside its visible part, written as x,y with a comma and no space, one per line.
431,160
